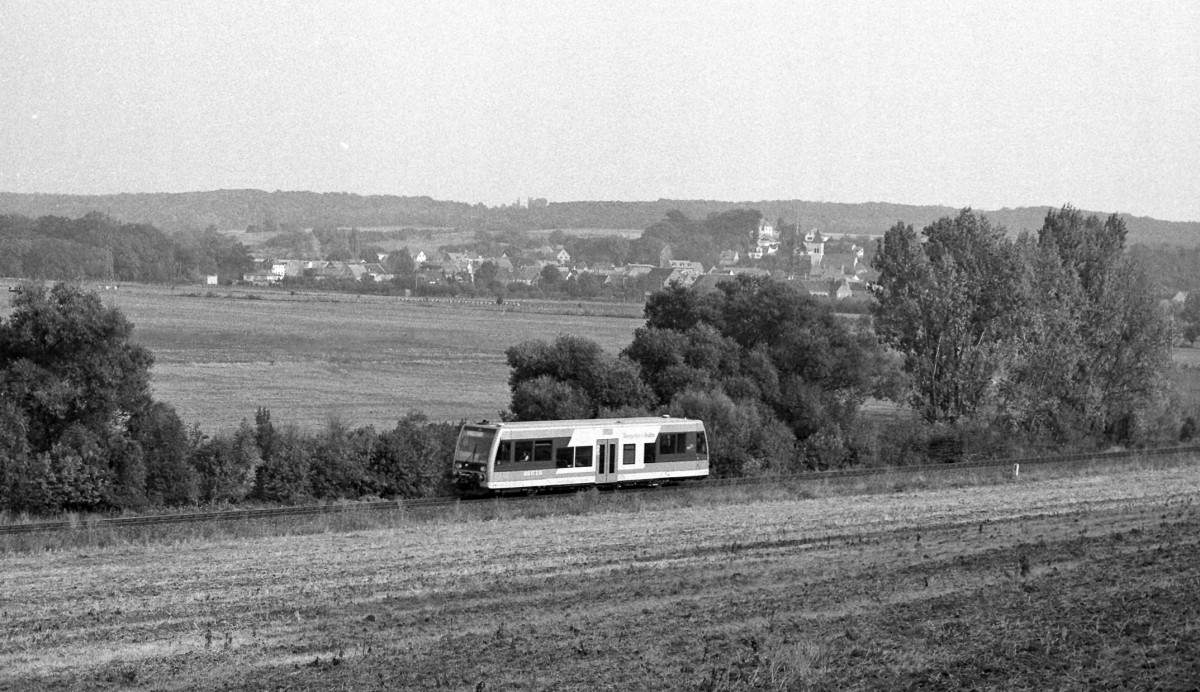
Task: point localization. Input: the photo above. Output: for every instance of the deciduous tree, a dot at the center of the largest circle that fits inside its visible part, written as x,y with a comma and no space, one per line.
227,464
947,303
762,341
170,480
486,275
1094,361
573,375
284,474
73,380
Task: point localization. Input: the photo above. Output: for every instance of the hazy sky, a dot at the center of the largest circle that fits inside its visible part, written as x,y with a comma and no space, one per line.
986,104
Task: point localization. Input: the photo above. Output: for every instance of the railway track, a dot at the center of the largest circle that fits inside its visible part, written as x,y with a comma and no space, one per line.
437,503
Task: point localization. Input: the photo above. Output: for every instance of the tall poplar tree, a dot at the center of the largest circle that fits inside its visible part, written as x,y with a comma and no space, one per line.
947,303
1093,360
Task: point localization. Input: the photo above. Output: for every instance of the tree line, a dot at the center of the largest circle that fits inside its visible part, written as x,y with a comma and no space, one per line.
80,431
192,212
97,247
1058,336
993,344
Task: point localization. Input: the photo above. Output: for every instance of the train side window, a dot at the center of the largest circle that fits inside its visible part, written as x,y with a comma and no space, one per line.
628,454
504,453
564,457
543,450
583,457
670,443
524,450
701,443
648,453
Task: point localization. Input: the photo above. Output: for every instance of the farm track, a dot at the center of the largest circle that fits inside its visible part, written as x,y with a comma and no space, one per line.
433,505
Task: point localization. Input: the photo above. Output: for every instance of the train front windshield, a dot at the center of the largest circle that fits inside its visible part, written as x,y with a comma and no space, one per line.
474,445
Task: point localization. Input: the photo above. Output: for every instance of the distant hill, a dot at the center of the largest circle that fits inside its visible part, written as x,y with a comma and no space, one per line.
268,211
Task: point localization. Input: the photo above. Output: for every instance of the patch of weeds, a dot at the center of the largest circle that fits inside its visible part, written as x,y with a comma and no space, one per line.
765,662
583,502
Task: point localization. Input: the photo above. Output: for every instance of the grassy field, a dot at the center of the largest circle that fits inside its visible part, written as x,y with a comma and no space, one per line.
1084,582
368,360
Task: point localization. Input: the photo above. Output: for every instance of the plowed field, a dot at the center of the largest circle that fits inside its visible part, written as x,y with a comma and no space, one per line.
1084,583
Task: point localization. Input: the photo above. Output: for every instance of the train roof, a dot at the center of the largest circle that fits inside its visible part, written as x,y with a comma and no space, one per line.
582,423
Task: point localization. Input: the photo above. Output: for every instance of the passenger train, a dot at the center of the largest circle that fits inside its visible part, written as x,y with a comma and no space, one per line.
493,458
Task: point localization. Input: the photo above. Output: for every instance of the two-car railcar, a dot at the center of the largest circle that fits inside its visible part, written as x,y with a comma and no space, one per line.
526,456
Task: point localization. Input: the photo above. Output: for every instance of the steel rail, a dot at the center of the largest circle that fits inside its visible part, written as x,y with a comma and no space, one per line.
433,503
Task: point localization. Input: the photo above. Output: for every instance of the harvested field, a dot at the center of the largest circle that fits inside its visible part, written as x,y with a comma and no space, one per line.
1072,583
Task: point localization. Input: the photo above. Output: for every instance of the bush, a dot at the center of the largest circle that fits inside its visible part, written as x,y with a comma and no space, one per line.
413,459
226,465
284,475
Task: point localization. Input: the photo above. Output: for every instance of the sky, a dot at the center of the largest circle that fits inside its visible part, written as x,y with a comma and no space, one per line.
961,103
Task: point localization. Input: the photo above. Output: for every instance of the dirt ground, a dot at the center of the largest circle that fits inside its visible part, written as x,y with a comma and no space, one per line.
1085,583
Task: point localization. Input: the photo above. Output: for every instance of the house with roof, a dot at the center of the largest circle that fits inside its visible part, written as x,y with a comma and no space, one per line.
455,266
629,274
686,264
659,278
529,274
603,268
373,271
840,264
454,262
717,275
429,274
838,288
708,282
766,241
290,268
262,277
861,290
335,270
750,271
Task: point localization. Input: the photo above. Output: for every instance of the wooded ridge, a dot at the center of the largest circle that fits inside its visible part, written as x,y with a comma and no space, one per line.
238,209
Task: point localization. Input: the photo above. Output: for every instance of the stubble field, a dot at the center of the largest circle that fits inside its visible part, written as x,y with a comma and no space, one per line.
1086,582
367,360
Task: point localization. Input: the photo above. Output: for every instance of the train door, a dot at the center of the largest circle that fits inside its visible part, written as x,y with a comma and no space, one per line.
606,461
